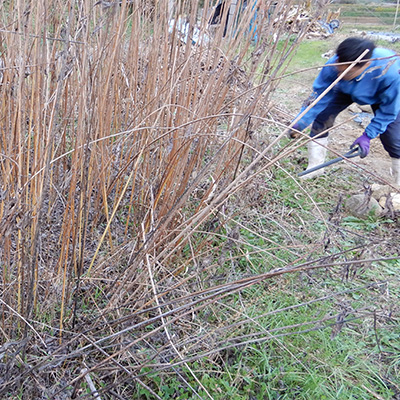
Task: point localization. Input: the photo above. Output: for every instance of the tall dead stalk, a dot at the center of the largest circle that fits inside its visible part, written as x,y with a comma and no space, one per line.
124,134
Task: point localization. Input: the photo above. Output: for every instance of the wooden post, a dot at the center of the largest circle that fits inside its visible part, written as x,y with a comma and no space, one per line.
231,13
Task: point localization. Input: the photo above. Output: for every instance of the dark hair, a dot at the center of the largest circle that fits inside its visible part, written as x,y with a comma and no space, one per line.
352,48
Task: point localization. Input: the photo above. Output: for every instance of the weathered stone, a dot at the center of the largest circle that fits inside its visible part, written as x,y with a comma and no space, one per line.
394,198
396,201
357,108
378,191
358,206
365,108
354,108
382,201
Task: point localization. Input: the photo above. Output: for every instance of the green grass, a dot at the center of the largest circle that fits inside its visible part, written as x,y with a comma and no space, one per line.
309,54
378,13
315,360
311,365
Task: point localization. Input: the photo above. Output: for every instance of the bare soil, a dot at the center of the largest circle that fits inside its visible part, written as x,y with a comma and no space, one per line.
377,164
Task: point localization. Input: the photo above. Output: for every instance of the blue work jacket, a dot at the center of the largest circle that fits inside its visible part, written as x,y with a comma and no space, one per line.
379,84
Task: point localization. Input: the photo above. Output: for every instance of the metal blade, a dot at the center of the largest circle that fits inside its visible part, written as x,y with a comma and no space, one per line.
352,153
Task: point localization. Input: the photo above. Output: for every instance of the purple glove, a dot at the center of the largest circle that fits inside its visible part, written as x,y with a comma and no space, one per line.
363,143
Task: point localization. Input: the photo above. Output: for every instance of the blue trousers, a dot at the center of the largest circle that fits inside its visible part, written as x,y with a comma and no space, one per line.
325,119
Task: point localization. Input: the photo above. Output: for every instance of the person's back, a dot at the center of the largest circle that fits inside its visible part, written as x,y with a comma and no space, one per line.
373,80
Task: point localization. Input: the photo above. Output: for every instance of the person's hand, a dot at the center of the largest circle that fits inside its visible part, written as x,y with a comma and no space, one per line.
363,143
291,132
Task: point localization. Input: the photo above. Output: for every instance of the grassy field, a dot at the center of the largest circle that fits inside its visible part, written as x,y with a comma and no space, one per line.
372,14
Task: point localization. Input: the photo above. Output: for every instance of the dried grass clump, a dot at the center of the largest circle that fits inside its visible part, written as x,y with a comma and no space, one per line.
120,147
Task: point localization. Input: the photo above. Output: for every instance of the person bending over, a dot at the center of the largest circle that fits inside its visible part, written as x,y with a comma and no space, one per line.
374,80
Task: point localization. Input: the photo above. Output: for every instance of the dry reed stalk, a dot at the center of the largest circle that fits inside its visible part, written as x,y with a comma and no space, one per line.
121,146
184,310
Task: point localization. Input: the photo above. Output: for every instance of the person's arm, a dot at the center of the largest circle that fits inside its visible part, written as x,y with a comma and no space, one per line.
388,110
324,79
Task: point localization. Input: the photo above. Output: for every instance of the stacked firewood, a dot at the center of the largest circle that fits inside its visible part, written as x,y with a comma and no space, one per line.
298,17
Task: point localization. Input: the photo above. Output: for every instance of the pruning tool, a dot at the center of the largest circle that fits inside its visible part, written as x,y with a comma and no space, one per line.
350,154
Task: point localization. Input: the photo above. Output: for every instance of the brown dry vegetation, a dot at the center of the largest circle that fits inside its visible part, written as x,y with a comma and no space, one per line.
121,151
